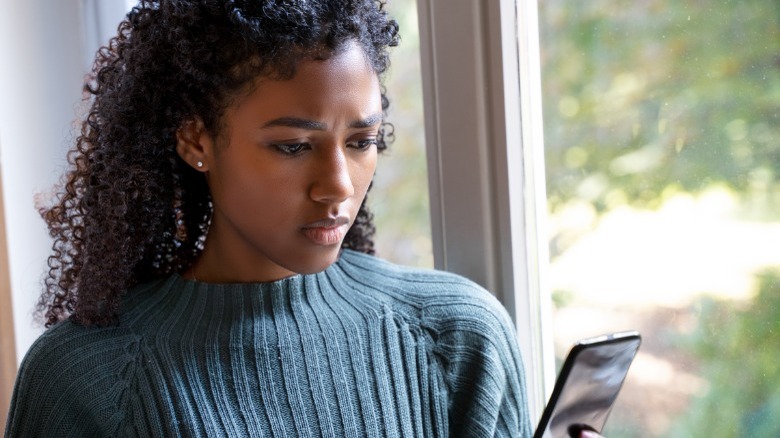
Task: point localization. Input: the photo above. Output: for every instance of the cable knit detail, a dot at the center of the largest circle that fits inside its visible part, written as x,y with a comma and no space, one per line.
362,349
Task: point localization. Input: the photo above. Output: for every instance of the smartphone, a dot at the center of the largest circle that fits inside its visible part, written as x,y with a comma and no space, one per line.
588,385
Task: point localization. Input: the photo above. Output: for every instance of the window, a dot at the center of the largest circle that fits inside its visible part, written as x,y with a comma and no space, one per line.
483,136
661,138
399,197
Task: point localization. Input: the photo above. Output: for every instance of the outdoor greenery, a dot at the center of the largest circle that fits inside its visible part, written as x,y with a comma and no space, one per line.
645,100
738,348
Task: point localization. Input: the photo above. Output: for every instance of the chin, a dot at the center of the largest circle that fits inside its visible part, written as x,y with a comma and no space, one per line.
318,262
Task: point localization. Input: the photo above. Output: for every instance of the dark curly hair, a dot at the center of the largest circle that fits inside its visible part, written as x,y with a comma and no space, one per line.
130,209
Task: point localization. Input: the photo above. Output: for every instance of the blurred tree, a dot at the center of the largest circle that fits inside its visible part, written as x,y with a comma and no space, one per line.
643,100
739,350
659,95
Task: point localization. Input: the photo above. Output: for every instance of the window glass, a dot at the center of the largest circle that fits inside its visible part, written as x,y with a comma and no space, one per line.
662,143
399,197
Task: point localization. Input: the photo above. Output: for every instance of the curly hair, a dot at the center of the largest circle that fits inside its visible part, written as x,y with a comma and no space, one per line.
130,209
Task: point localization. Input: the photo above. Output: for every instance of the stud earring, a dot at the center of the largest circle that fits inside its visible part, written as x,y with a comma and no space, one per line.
199,164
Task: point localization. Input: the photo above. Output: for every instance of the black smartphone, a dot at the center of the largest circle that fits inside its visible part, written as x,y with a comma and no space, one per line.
588,385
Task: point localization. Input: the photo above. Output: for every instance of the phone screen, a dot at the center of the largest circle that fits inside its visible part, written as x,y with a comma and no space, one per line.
588,384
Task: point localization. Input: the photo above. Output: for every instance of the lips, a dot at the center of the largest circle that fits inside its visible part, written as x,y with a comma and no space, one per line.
326,232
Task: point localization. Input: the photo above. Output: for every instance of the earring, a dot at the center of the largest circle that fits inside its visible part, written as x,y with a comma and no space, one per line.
199,164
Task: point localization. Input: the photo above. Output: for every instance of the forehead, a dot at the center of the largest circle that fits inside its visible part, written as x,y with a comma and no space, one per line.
343,81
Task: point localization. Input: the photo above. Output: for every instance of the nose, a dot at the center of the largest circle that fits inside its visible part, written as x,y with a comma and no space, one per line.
332,181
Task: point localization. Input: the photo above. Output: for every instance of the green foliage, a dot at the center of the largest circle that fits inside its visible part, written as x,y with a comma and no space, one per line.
647,99
561,298
642,96
739,349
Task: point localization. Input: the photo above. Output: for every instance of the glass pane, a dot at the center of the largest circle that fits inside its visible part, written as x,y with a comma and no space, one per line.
663,154
399,198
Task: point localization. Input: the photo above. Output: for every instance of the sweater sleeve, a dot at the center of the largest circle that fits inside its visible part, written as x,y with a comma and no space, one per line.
72,382
482,368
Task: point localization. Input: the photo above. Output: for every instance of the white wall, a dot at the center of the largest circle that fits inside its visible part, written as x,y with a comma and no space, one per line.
45,48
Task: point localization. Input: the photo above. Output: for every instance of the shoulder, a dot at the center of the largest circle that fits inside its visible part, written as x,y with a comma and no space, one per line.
71,371
444,298
474,343
418,282
70,345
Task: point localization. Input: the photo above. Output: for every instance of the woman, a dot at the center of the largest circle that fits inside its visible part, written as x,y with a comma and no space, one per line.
211,273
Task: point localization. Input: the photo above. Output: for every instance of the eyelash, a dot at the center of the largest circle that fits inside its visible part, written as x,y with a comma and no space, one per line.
291,148
362,144
296,148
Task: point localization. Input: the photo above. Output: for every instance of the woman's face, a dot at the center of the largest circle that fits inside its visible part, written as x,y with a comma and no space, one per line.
290,169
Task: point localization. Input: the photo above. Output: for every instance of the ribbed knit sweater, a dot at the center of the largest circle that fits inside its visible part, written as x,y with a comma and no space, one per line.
363,349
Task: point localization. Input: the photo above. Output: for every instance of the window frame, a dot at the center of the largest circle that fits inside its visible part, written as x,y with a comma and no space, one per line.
8,367
481,76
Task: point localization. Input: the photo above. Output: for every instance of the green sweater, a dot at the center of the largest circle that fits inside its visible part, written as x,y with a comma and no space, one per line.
362,349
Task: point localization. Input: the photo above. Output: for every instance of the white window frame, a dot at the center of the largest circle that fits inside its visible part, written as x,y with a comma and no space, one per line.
482,105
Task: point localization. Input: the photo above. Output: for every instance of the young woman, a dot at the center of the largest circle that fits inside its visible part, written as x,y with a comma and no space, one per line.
212,271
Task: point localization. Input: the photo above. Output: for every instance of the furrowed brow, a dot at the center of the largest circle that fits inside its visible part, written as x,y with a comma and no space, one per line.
294,122
368,122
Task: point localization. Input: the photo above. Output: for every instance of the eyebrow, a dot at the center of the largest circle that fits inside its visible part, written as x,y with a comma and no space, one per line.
313,125
368,122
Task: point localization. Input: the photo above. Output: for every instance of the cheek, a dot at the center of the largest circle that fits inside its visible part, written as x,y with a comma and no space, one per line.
255,186
364,174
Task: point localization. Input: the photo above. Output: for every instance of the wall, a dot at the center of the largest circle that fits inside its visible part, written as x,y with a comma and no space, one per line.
45,47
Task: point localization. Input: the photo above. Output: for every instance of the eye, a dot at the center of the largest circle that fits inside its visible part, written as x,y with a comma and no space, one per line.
362,144
291,148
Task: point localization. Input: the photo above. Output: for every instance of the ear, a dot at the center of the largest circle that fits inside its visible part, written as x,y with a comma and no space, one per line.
194,144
